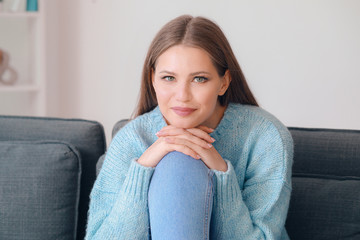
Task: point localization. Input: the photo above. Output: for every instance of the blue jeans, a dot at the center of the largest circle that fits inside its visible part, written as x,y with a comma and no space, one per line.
180,198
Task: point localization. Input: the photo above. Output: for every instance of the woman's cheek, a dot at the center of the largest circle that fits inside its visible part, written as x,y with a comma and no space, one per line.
163,94
207,97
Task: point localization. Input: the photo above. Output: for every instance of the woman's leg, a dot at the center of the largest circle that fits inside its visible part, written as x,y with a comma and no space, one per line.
180,198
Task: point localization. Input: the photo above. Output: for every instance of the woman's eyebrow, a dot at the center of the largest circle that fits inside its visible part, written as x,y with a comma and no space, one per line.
168,72
191,74
199,73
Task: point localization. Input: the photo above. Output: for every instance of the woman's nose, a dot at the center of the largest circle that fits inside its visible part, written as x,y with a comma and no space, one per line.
183,92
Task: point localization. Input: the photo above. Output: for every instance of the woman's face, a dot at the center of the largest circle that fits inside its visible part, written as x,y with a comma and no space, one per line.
187,87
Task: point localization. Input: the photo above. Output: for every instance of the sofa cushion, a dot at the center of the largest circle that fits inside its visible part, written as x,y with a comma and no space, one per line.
39,190
87,136
118,125
325,201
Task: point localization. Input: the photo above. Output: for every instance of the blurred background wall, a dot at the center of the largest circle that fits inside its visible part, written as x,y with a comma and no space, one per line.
301,58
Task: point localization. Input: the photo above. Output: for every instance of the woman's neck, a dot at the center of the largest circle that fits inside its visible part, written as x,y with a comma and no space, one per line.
215,119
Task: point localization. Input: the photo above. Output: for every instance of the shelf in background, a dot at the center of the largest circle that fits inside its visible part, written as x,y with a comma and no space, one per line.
19,88
22,34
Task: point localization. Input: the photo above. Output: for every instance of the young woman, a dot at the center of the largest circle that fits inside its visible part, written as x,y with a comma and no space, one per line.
200,160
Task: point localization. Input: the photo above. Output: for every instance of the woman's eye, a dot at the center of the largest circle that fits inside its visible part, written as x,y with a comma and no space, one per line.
200,79
168,78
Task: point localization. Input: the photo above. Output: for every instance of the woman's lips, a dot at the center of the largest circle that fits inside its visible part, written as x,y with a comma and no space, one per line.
183,111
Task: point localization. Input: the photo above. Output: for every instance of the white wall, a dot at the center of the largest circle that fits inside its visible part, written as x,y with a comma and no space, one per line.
301,58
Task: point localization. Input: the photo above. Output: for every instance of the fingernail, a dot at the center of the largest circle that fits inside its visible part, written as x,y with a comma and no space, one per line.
212,139
210,146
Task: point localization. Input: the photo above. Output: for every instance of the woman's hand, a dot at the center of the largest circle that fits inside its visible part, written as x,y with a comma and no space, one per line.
152,156
195,142
199,140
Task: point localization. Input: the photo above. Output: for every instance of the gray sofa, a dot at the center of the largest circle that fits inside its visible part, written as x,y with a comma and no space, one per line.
47,169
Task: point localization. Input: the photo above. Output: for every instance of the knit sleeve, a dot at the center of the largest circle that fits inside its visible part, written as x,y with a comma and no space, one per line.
118,201
259,210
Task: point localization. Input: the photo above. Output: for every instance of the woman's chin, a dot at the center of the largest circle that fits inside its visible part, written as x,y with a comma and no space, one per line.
184,125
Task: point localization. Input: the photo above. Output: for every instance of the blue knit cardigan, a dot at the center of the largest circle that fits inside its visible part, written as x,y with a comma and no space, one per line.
251,198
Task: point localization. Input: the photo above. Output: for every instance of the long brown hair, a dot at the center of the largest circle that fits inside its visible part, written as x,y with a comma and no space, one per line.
196,32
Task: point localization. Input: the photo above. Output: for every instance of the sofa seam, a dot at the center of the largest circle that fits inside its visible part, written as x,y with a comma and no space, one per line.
325,176
323,130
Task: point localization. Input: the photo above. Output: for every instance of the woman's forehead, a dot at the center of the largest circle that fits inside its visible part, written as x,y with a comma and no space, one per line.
184,58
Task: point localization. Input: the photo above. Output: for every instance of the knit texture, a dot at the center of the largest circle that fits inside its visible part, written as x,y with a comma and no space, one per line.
251,198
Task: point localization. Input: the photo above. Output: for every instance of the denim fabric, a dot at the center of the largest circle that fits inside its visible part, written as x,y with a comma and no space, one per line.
180,198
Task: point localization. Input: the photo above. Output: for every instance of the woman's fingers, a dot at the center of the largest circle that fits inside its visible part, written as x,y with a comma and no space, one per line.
185,143
202,127
173,131
197,132
201,134
182,148
154,154
205,129
194,139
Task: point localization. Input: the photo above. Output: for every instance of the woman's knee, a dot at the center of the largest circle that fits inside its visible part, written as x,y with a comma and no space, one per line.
179,163
180,174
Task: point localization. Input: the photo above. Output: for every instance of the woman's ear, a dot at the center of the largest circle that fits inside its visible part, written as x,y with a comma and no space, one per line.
226,79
